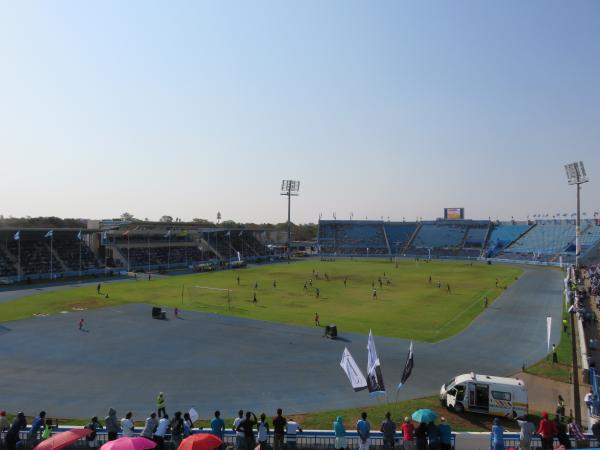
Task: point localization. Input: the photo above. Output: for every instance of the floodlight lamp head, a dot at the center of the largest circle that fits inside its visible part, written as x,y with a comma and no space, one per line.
290,187
576,173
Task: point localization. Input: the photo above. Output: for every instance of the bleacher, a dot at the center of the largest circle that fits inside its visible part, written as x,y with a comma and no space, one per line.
503,234
552,237
352,237
441,235
398,234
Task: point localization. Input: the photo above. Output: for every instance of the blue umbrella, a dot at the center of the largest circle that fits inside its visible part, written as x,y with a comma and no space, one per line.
424,416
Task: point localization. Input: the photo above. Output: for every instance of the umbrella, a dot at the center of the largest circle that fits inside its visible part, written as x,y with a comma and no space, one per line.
203,441
424,415
60,440
129,443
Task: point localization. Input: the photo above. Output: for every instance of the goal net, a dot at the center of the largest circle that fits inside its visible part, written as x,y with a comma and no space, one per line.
211,298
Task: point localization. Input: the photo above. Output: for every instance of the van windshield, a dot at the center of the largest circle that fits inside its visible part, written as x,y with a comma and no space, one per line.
449,385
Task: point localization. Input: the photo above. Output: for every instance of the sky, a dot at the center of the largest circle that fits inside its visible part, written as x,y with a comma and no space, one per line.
381,109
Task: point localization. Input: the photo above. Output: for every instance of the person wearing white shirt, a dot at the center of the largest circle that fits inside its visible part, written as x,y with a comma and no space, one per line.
239,435
127,425
292,428
161,430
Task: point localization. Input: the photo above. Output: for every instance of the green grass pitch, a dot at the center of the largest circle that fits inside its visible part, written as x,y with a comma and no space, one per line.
408,307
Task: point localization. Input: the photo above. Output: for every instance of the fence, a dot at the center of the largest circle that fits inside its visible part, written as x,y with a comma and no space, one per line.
512,440
308,439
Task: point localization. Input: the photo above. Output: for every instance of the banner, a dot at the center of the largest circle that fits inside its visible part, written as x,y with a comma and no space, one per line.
408,366
548,327
355,376
194,415
374,376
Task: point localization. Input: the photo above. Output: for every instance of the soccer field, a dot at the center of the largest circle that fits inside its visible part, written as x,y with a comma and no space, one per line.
408,307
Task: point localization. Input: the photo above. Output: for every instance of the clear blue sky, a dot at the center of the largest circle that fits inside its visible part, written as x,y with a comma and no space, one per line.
380,108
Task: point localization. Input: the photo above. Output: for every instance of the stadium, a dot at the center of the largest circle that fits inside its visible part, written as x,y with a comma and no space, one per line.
166,283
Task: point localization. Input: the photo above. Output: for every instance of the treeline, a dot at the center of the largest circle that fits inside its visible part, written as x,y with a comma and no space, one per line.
41,222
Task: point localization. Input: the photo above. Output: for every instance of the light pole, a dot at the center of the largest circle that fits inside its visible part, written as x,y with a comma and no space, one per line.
290,188
576,175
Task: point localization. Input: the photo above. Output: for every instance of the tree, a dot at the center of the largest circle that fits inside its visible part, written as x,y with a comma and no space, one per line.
203,222
166,219
218,217
127,216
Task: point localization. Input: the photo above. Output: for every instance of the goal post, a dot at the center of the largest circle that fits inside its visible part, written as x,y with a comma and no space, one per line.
208,297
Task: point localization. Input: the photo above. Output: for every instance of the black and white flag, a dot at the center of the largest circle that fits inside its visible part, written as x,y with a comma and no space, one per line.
355,376
374,377
408,366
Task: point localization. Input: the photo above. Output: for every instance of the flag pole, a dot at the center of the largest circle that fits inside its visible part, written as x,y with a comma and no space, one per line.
169,252
80,253
128,264
19,245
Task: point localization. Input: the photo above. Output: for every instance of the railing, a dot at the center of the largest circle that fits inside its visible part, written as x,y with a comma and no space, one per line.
512,440
308,439
594,382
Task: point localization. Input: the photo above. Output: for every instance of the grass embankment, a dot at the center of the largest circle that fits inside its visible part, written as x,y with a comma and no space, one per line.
408,307
560,371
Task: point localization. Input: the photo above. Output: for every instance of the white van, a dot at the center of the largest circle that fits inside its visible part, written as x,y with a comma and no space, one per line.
485,394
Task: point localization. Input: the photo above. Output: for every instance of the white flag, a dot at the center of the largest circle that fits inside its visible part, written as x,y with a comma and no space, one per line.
374,375
79,235
548,327
49,234
355,376
17,235
194,415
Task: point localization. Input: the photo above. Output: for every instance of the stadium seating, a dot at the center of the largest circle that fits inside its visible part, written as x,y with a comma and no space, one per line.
545,238
352,237
440,235
398,234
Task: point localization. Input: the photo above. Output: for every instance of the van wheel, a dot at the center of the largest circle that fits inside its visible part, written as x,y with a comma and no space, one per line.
459,408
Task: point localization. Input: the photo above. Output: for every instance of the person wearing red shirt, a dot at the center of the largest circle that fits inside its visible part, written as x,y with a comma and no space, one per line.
407,433
547,431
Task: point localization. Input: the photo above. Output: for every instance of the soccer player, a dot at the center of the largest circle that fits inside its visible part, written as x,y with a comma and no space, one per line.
345,281
81,323
254,299
98,288
238,280
317,292
374,294
317,324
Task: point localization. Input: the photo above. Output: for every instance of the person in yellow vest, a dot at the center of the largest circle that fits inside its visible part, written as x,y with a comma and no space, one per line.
160,405
47,430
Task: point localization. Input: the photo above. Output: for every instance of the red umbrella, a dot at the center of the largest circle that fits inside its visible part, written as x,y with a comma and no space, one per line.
129,443
202,441
60,440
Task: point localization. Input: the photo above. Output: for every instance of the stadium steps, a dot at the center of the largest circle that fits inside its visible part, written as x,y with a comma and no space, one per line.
412,238
387,242
57,258
485,241
211,248
520,236
10,257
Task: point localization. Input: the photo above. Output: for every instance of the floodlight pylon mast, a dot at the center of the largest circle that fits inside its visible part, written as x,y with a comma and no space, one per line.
289,188
576,175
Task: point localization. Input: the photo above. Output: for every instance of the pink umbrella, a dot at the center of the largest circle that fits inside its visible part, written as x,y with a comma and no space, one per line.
201,441
129,443
60,440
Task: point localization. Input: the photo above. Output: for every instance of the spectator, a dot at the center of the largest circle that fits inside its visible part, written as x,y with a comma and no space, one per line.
263,432
176,429
160,405
526,431
47,432
388,428
127,425
561,433
92,438
339,430
150,426
161,430
421,436
187,425
12,437
445,434
36,425
239,435
575,431
595,429
497,435
434,436
3,424
279,424
547,431
589,401
408,430
112,424
246,427
363,428
560,408
217,425
292,429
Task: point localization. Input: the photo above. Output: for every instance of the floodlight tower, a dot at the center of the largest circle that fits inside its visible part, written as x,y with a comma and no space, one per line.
576,175
290,188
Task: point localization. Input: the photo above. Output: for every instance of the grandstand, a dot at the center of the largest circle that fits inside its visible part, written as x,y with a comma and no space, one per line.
541,242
